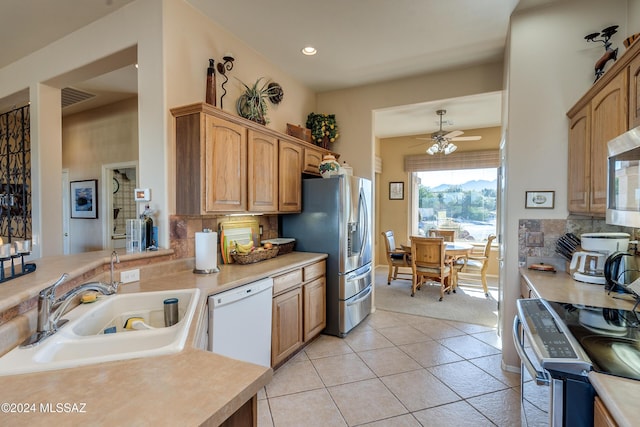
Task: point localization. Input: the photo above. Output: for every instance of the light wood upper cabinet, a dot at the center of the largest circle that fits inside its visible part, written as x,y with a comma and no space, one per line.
634,93
579,161
262,172
601,115
290,197
227,164
608,120
312,159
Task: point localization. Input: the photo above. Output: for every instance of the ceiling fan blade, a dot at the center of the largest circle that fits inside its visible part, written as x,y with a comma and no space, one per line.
466,138
453,134
425,139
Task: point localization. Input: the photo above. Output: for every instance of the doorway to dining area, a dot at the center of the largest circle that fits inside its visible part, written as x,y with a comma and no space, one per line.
462,203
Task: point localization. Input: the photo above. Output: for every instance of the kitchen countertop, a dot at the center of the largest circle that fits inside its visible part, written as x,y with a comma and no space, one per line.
191,387
620,395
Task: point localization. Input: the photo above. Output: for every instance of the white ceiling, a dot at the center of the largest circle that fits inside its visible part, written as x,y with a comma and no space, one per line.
358,41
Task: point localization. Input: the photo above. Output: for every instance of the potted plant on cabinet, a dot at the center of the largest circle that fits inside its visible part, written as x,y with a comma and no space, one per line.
252,104
324,128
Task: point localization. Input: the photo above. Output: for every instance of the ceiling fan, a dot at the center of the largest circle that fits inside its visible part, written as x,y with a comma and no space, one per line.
442,140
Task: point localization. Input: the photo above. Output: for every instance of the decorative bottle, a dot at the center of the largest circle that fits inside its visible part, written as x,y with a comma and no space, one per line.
329,166
147,228
211,84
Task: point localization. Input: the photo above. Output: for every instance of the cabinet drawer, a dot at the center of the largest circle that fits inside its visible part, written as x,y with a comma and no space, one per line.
285,281
312,271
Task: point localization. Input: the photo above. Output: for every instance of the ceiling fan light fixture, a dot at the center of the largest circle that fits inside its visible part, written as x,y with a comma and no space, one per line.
450,149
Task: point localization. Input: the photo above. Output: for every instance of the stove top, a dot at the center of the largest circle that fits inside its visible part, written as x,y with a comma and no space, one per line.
609,337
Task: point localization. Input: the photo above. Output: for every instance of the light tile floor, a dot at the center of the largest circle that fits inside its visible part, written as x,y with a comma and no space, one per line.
395,370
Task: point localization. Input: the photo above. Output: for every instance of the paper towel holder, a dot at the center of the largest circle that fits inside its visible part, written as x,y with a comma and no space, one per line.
215,269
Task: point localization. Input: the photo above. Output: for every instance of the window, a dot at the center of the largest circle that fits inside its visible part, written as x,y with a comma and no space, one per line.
463,200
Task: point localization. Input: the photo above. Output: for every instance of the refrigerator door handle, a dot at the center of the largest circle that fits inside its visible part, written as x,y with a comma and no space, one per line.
364,218
360,276
362,298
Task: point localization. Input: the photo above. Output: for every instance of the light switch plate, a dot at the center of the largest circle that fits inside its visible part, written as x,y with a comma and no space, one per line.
129,276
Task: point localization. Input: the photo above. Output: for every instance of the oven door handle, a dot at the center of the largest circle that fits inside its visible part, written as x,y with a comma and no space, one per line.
539,377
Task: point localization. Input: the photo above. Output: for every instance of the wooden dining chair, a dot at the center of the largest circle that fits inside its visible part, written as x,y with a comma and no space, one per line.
447,235
428,260
396,258
478,263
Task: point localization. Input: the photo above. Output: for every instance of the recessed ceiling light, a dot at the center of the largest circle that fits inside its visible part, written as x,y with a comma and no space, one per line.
309,50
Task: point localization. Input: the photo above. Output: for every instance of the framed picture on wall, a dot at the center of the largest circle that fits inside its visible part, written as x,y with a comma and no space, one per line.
84,199
539,199
396,191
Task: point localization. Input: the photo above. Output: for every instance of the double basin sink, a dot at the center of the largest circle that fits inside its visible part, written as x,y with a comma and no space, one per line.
95,333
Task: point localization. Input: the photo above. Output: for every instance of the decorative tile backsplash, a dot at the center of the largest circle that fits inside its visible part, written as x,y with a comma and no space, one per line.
183,228
537,237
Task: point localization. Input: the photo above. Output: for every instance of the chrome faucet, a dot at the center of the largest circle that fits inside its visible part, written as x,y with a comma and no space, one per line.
51,309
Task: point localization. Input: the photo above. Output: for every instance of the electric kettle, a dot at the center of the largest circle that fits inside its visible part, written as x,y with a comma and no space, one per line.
620,269
588,267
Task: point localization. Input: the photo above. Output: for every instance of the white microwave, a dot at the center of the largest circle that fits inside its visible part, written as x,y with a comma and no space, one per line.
623,182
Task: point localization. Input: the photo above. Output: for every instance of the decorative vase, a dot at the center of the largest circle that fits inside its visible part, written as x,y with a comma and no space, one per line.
329,166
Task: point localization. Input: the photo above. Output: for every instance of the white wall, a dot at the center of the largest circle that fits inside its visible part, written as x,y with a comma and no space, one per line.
190,39
354,107
172,43
550,68
91,139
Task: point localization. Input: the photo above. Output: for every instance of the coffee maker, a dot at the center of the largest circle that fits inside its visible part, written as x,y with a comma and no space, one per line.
588,265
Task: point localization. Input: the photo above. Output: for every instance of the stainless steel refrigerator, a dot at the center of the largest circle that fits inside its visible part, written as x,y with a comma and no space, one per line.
336,220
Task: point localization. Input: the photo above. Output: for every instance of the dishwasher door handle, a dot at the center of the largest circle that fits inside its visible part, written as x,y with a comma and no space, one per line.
234,295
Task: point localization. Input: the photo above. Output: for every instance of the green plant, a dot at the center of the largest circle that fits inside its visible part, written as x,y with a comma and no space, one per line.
324,128
252,104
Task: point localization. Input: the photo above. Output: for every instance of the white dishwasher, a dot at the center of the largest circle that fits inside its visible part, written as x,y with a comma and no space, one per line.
240,322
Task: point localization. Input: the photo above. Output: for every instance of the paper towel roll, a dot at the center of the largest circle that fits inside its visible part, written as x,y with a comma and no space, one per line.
206,252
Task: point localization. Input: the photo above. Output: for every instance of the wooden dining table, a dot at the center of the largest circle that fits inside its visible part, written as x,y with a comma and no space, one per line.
454,251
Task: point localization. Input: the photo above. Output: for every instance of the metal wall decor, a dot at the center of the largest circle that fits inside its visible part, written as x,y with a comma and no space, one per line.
15,175
609,53
223,68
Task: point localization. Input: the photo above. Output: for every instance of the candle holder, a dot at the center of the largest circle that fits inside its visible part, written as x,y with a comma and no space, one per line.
223,67
12,251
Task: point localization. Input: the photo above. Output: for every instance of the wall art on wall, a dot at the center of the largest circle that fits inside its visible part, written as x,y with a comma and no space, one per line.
539,199
84,199
396,191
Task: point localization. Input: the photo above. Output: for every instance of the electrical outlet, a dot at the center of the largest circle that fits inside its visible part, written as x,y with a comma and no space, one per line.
130,276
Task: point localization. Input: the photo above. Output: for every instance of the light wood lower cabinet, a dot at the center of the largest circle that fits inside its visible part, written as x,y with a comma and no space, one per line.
286,334
299,309
601,416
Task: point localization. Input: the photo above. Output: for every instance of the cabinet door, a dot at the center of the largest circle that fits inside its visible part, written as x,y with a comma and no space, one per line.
601,416
315,318
312,159
290,177
608,120
579,161
225,166
262,165
634,93
286,334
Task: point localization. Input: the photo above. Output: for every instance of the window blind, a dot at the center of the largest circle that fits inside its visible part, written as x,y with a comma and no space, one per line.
458,160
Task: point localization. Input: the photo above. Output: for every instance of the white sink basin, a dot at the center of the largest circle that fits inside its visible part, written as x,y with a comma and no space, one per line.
82,340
